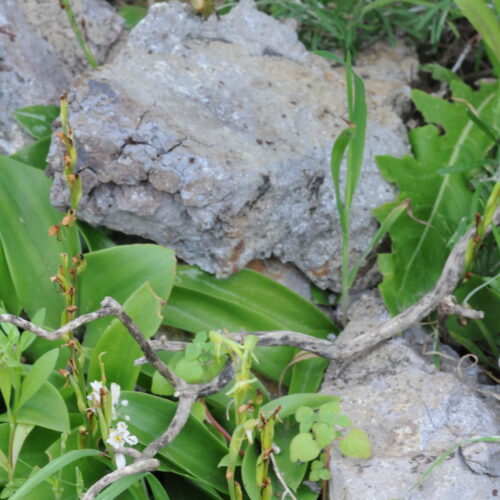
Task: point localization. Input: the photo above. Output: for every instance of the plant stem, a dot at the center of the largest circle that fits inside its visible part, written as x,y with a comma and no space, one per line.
66,5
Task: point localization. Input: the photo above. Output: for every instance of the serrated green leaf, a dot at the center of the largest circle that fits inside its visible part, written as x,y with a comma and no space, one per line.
304,448
439,202
356,444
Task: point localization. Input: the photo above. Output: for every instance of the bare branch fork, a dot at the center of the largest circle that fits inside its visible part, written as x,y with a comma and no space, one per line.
340,351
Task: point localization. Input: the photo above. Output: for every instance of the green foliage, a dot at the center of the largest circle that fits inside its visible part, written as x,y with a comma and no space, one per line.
249,301
132,14
443,204
350,24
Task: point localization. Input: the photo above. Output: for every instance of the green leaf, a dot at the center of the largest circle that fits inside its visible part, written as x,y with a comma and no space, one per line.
120,348
45,409
123,484
118,272
150,416
20,434
37,375
34,154
440,73
95,239
30,255
304,448
356,444
440,202
161,386
50,469
484,19
290,403
37,120
157,489
132,14
324,434
250,301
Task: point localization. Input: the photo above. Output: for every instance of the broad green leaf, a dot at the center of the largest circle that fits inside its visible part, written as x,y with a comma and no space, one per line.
95,239
20,434
440,201
132,14
156,487
356,444
45,409
292,472
30,254
304,448
118,272
123,484
37,120
34,154
120,348
51,469
7,289
37,375
250,301
149,418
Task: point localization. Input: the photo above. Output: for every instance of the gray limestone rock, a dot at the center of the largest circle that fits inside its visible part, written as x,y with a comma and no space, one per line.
39,55
412,414
214,138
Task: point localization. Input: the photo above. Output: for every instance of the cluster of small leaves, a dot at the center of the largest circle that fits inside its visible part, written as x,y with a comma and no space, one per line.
318,430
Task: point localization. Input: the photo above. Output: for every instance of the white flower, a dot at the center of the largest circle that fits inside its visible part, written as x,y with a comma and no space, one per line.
115,393
121,427
120,461
121,435
124,402
116,438
95,396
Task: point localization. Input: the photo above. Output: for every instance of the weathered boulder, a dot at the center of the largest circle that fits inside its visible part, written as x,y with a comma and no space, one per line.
214,138
39,55
412,415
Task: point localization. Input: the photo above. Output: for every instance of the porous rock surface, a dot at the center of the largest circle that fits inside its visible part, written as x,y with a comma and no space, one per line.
40,56
214,138
412,415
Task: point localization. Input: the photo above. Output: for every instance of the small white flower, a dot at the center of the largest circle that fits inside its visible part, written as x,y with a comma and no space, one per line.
120,461
115,393
121,427
131,440
116,439
124,402
95,396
